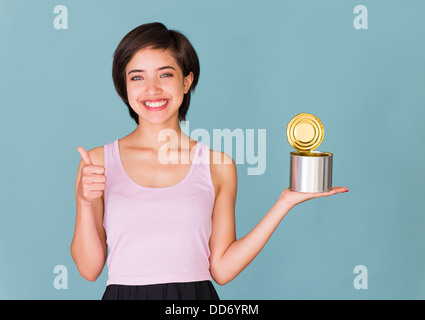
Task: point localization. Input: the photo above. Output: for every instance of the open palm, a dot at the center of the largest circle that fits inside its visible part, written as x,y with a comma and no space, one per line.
293,198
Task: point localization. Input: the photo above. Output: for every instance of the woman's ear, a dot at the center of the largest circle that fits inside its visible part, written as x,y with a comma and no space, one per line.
187,82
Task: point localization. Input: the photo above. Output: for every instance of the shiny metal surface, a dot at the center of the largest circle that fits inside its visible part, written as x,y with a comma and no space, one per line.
311,171
305,132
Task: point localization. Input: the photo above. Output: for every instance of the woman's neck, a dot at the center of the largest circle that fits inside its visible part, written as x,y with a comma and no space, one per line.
155,136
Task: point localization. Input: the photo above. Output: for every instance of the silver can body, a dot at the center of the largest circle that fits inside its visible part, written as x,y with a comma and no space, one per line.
311,171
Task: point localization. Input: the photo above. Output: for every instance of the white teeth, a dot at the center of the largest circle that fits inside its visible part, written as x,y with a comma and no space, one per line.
155,104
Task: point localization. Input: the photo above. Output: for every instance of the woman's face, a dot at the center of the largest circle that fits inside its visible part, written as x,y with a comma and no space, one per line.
156,85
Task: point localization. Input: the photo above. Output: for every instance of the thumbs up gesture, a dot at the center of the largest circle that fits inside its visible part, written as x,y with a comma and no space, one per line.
92,179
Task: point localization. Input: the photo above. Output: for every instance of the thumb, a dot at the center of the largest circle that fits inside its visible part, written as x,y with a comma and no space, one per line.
85,155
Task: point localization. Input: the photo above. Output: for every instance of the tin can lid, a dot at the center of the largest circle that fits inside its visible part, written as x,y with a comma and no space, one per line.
305,132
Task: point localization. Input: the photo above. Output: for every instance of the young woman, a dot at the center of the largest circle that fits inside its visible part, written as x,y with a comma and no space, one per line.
169,227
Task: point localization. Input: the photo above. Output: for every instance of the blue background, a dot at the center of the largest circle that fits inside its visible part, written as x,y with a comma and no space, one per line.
262,62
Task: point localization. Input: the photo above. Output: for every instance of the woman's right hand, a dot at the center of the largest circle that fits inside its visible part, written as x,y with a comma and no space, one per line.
93,180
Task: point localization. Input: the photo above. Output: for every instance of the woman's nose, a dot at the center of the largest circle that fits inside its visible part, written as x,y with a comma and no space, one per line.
153,87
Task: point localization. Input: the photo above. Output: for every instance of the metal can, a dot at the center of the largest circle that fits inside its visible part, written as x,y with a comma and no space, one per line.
311,171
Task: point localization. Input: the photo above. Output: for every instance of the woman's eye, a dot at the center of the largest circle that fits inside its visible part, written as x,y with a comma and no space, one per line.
136,78
166,75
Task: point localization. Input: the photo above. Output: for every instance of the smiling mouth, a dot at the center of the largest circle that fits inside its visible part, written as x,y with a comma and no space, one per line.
155,103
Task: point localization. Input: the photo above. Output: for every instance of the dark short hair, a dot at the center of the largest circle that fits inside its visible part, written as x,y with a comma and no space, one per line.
156,36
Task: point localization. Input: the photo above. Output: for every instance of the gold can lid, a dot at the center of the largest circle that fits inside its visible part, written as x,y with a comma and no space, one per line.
305,132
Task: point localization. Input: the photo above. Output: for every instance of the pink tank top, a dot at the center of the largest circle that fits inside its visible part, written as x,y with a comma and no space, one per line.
158,235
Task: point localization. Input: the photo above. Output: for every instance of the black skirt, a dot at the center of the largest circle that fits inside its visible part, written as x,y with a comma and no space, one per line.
199,290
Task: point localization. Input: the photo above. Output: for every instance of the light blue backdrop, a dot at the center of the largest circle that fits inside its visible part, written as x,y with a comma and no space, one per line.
262,62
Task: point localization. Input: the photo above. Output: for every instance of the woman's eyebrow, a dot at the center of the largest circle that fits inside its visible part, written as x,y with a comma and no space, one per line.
161,68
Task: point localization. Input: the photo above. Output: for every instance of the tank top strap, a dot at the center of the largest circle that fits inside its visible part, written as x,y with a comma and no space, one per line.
110,159
202,155
201,163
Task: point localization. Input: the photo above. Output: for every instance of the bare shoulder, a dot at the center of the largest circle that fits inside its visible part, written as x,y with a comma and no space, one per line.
97,156
223,170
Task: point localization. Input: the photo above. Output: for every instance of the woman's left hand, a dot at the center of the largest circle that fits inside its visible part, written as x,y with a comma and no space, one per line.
292,198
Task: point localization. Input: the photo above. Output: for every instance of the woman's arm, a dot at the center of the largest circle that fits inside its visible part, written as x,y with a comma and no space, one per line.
228,255
88,247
